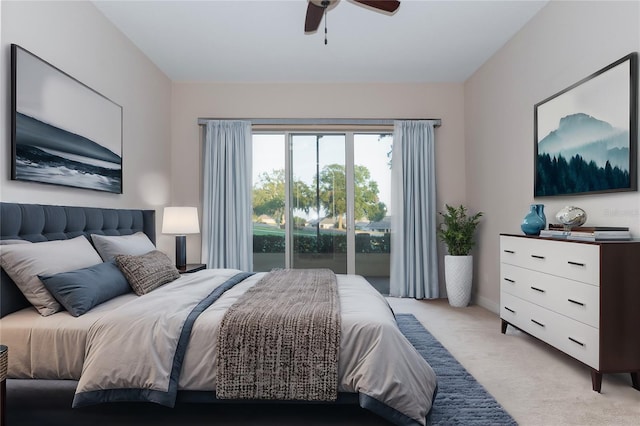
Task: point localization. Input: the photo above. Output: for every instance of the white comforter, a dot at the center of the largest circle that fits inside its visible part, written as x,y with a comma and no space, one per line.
128,347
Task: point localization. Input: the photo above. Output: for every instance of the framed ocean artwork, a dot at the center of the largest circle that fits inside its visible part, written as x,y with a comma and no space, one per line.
63,132
586,136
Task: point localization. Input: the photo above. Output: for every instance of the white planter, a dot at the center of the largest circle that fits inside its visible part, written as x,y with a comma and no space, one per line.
458,276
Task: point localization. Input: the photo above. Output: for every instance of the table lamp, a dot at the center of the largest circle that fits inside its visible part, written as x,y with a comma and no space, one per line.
180,221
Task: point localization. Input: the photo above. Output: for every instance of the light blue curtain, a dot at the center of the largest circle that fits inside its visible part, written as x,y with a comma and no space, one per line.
227,240
414,257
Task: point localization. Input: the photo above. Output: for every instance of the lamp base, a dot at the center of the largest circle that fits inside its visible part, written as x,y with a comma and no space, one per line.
181,251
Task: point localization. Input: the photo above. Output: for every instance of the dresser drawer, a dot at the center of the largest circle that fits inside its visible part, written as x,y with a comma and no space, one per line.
573,299
576,261
581,298
572,337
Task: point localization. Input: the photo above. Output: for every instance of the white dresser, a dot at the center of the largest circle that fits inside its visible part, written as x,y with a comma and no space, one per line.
582,298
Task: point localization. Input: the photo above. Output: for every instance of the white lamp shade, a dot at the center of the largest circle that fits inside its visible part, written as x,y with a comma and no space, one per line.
180,220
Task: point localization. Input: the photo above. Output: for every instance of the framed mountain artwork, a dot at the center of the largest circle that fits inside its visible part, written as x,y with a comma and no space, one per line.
586,136
62,131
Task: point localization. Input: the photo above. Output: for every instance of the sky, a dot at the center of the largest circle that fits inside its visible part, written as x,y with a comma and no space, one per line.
47,94
605,97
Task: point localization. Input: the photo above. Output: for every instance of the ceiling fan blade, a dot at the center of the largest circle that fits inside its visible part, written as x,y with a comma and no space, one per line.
386,5
314,16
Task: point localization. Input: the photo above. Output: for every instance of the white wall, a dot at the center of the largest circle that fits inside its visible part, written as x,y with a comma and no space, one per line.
193,100
562,44
76,38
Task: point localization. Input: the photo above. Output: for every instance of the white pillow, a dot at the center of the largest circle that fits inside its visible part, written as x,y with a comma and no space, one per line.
111,246
24,262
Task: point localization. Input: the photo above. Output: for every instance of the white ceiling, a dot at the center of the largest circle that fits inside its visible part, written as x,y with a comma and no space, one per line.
264,40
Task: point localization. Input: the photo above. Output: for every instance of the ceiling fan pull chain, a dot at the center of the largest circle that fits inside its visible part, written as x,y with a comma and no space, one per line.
325,25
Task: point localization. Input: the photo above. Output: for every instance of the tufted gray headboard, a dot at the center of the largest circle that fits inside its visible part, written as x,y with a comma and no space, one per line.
36,223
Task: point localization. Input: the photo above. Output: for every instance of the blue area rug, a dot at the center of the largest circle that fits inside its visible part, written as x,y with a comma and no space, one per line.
461,400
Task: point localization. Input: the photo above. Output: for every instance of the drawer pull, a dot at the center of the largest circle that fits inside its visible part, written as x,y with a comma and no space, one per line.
510,280
576,263
509,251
535,256
538,323
576,302
576,342
510,310
537,289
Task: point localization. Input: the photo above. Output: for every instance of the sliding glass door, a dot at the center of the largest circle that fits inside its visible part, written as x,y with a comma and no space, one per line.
319,209
269,202
321,200
372,195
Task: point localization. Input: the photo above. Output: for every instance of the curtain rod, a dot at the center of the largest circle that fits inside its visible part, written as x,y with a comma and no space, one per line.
321,121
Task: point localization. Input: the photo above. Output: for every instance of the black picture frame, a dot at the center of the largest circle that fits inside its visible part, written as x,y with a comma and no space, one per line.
586,136
62,131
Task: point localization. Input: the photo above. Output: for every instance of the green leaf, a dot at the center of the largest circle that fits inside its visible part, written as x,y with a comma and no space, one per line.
457,229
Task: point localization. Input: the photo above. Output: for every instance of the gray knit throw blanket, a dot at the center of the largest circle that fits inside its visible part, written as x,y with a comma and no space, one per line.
281,339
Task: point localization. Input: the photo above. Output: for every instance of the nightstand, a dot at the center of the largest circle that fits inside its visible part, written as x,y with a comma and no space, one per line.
192,267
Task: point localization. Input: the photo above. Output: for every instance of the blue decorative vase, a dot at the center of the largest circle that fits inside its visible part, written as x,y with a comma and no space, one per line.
540,211
532,222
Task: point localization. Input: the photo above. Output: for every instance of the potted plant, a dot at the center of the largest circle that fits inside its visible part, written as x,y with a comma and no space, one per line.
456,231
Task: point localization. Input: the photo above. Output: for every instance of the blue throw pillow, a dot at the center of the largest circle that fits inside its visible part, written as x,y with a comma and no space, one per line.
80,290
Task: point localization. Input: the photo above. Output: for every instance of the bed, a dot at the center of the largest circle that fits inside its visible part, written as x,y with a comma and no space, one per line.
376,367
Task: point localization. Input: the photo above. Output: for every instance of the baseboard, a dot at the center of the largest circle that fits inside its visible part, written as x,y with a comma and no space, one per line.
487,304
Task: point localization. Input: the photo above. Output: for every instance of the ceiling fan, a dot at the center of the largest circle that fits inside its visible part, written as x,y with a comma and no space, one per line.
317,8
